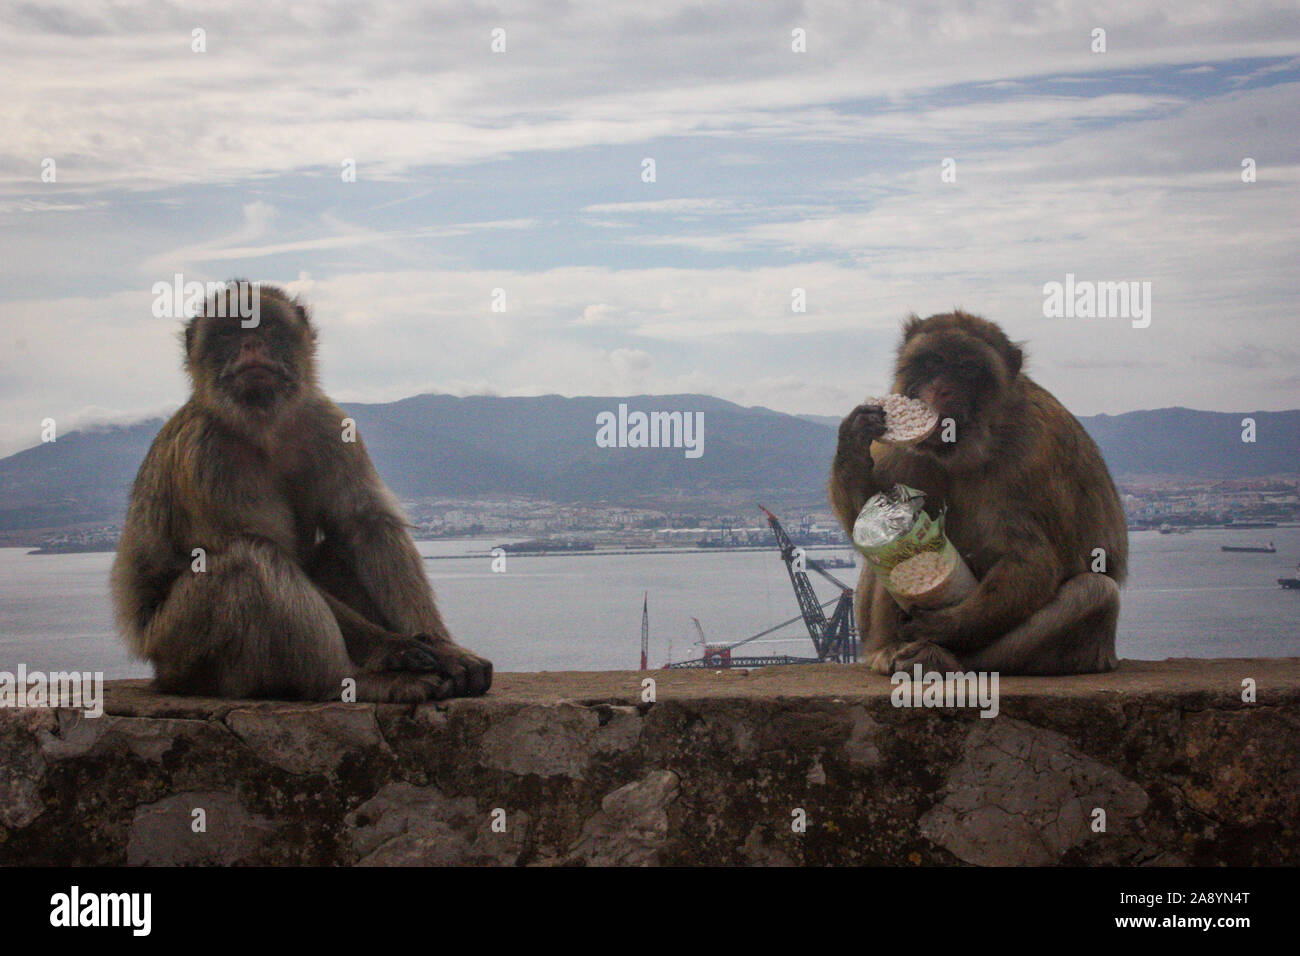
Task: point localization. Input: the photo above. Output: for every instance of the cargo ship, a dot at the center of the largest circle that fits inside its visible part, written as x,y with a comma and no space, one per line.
1250,550
547,546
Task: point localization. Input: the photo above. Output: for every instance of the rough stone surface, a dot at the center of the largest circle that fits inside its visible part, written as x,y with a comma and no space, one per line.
632,825
166,833
780,766
1021,795
307,739
405,825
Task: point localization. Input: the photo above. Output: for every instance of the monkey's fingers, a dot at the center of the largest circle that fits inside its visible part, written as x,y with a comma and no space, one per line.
469,674
441,689
861,427
480,676
409,655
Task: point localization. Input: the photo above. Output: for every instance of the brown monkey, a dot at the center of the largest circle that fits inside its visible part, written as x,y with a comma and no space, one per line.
306,575
1028,500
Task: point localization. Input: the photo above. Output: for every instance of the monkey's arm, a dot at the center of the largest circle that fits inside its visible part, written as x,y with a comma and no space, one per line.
372,534
853,478
368,532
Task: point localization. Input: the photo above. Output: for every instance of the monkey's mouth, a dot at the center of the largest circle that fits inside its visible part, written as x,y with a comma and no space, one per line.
259,375
256,381
255,369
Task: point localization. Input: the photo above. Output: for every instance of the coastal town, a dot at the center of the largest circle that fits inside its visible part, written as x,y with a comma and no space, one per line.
1151,504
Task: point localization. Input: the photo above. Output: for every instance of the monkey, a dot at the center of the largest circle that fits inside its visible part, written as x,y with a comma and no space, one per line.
262,555
1028,499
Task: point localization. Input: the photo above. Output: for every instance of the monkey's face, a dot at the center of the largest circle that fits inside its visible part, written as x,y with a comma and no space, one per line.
962,367
252,370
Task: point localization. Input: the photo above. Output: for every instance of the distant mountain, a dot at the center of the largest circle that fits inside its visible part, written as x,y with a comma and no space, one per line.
1185,442
831,421
83,477
546,446
440,445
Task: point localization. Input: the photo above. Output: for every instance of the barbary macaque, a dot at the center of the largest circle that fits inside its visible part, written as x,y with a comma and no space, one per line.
1029,501
262,555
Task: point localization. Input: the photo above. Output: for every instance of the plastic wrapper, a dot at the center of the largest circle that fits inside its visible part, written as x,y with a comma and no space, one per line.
909,552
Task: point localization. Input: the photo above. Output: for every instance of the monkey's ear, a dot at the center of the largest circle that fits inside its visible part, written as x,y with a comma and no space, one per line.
911,325
1015,358
305,314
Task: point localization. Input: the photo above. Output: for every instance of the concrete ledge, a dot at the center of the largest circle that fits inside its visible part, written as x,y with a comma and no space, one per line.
574,768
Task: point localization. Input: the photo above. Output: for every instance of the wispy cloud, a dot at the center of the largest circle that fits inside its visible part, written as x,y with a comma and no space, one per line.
775,170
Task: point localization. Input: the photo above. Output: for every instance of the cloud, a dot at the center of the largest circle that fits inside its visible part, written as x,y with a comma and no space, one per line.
124,101
777,171
668,206
631,362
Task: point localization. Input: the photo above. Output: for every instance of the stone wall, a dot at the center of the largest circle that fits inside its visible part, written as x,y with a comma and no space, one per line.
575,768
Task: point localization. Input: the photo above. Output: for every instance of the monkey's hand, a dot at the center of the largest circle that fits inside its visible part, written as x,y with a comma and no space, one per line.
464,673
931,657
859,429
404,654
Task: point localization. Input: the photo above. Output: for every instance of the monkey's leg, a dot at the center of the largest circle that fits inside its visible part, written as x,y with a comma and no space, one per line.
253,625
329,569
335,570
1073,634
877,616
373,648
366,634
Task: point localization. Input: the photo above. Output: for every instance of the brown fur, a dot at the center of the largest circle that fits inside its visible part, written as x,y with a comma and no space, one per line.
311,575
1028,499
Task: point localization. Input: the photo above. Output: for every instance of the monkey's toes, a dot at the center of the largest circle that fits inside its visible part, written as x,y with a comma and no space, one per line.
930,656
882,662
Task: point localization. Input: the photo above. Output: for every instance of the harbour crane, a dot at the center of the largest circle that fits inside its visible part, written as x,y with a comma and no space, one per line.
834,638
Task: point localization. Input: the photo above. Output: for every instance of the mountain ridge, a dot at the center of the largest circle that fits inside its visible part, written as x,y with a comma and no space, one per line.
436,445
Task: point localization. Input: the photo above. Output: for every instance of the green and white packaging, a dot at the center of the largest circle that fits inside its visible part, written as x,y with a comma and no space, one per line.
893,528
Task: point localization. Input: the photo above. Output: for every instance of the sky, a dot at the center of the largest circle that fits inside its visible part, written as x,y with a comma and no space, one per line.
912,157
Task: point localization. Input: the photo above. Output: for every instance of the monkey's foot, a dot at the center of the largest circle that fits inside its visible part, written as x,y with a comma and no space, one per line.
882,661
463,673
398,687
930,656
